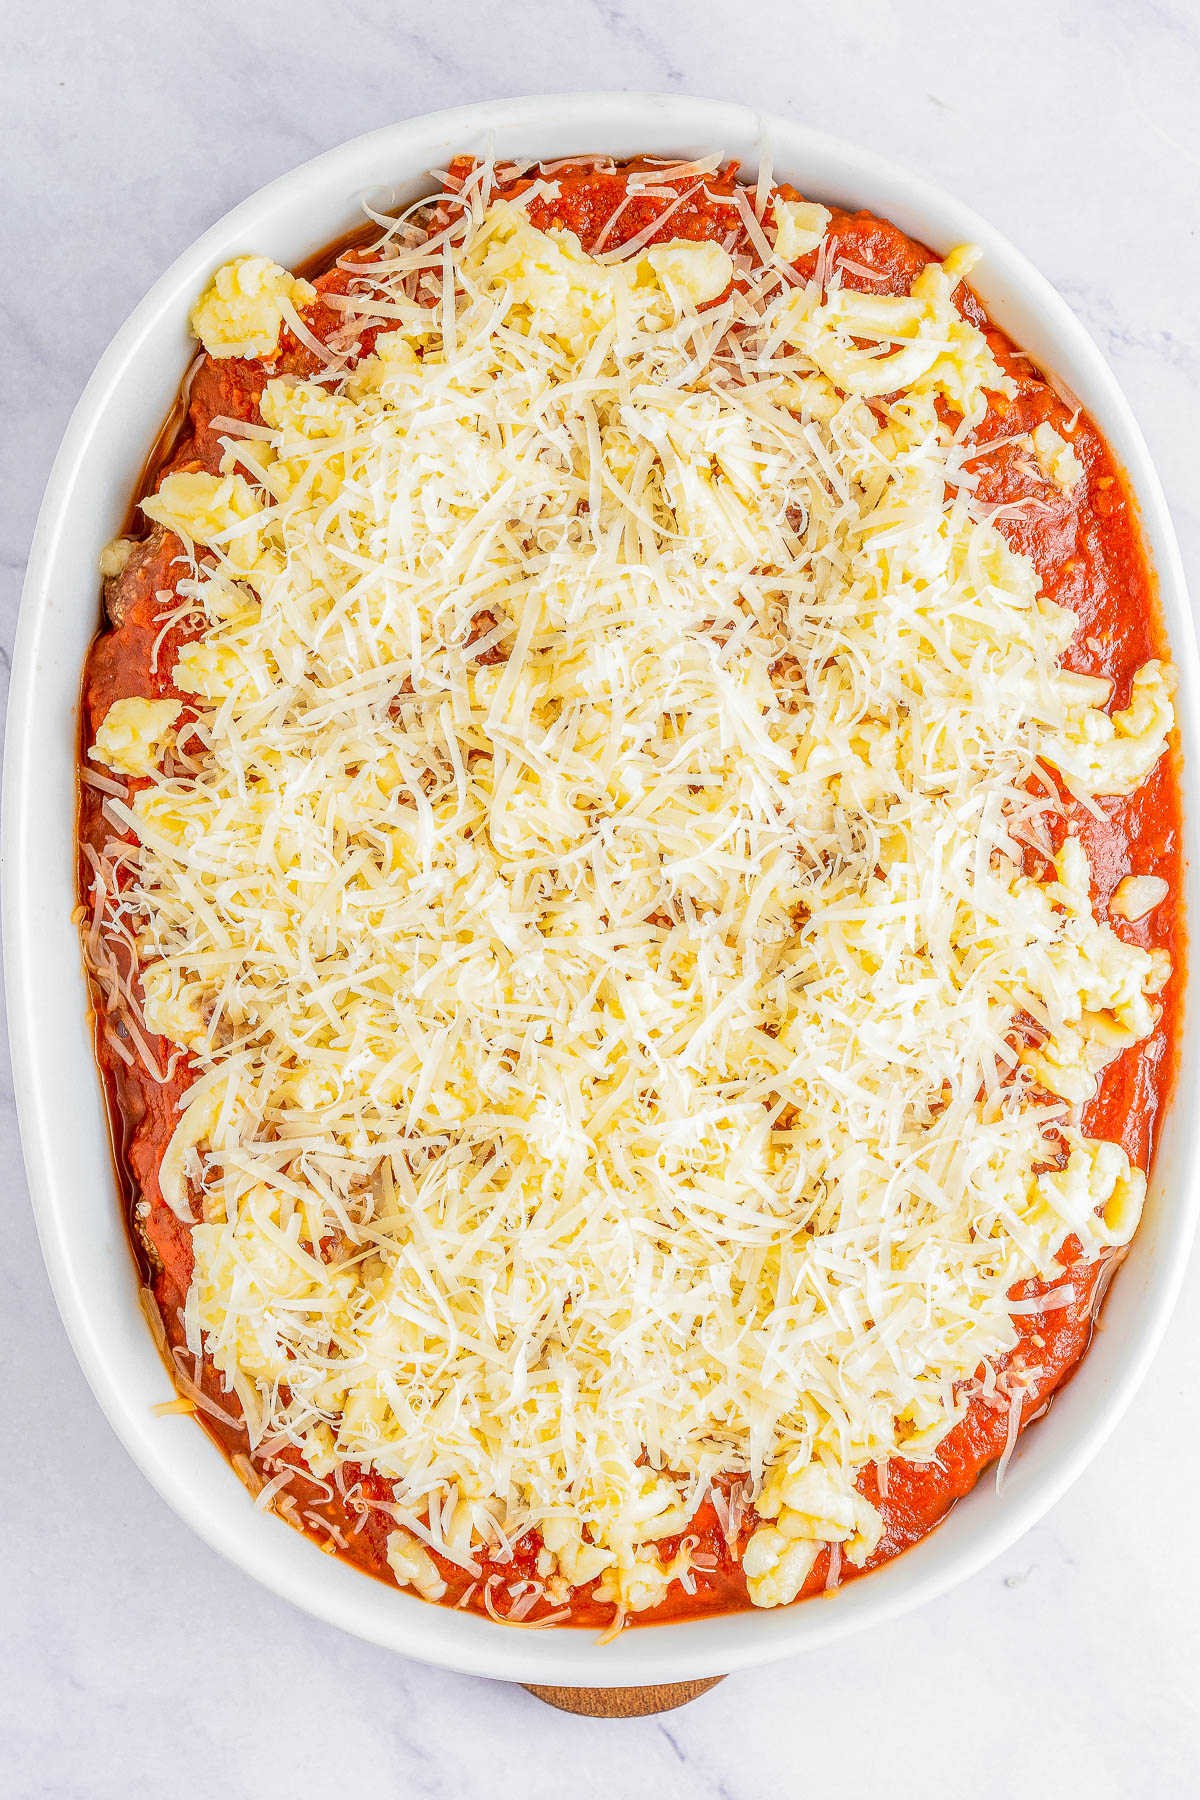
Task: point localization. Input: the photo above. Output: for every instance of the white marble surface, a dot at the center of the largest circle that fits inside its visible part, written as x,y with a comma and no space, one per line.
133,1660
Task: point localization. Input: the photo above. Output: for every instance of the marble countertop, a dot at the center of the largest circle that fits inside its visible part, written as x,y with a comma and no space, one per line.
133,1660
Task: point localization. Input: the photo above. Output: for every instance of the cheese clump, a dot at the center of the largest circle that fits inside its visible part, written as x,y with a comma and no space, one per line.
242,311
133,734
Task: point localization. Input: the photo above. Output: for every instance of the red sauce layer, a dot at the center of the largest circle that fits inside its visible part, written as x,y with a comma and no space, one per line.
1087,548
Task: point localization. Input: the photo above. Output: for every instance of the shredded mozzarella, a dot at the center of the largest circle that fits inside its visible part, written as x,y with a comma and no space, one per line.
591,907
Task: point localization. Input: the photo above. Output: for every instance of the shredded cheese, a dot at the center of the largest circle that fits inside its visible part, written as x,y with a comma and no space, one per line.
1057,458
592,909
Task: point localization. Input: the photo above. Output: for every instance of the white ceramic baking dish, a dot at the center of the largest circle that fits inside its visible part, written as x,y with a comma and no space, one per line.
63,1124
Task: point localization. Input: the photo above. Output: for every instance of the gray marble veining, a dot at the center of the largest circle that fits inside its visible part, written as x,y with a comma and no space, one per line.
133,1659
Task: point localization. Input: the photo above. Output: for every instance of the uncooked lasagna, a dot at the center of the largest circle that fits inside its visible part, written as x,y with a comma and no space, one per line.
630,876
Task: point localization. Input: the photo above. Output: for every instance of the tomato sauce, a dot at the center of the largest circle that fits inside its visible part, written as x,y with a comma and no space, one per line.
1088,551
